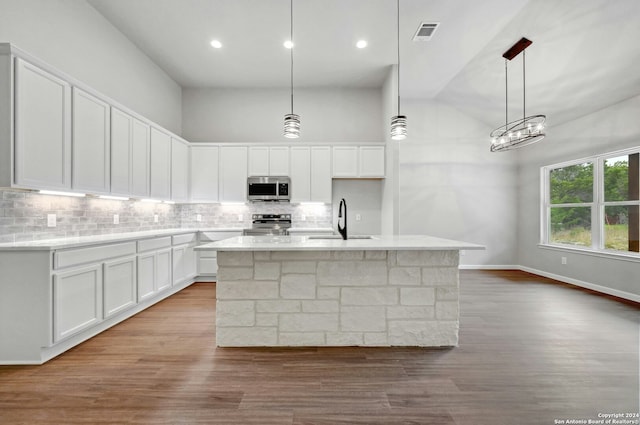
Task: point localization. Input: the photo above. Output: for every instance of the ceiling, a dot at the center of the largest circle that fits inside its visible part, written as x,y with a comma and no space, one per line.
584,55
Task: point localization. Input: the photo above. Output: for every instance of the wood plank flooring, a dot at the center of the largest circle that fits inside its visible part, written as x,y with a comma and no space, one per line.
531,351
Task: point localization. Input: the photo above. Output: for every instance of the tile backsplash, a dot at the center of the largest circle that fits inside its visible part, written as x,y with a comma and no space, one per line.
23,215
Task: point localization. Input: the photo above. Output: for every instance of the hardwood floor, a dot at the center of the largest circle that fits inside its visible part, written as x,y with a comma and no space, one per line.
531,351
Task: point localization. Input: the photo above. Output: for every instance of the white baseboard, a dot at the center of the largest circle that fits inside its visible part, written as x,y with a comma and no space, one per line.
598,288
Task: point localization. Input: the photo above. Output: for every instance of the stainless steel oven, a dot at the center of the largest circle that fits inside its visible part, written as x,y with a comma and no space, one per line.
269,224
260,189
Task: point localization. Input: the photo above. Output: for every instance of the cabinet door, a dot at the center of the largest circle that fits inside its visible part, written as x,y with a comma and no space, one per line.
321,174
77,301
91,143
190,262
140,158
179,171
160,165
204,173
371,161
179,253
279,161
233,174
258,161
163,269
119,285
42,129
345,161
121,131
146,276
300,174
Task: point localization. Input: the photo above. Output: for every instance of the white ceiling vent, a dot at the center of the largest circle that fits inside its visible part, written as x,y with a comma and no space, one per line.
425,31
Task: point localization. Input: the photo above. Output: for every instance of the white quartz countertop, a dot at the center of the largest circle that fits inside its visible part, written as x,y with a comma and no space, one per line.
73,242
316,243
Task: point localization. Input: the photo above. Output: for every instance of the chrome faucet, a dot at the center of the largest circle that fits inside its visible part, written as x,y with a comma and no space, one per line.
342,229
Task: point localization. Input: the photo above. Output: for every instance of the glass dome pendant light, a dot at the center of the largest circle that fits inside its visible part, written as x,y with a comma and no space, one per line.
291,121
398,122
526,130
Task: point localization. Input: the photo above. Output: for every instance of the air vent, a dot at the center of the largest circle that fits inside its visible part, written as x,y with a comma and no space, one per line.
426,31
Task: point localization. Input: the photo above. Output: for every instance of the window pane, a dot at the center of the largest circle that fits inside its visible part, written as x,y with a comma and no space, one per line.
621,228
571,225
571,184
621,180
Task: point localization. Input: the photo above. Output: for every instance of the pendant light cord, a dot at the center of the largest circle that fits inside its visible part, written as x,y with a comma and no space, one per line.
291,27
506,94
524,90
398,49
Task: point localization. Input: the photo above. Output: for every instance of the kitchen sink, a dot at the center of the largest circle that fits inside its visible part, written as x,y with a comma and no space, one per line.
340,237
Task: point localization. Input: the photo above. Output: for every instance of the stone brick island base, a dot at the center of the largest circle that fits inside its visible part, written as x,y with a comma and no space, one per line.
337,298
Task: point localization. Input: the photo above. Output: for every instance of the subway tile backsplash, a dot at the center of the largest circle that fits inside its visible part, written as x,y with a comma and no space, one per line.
23,215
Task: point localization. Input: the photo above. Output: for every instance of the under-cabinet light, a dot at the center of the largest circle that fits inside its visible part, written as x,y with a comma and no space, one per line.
58,193
112,197
168,202
152,201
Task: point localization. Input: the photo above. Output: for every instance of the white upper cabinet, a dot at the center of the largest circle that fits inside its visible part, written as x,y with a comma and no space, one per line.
42,129
279,161
140,158
91,143
300,174
358,162
268,161
371,161
321,174
204,173
258,161
121,130
160,165
345,161
179,170
233,174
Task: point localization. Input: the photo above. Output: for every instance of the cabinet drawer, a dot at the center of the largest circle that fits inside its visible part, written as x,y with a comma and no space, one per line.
152,244
182,239
217,236
94,254
208,254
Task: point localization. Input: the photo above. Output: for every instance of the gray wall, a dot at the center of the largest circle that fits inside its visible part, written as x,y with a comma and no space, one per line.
327,115
73,37
610,129
363,197
452,186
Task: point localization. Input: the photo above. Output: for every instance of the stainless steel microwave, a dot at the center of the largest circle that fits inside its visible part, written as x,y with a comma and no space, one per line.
271,188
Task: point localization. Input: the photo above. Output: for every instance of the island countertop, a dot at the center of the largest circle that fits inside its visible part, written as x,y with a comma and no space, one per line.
323,243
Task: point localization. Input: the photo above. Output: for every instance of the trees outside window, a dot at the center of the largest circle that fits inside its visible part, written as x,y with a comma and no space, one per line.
593,203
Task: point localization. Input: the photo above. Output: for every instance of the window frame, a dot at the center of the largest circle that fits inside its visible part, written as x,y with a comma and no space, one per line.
597,205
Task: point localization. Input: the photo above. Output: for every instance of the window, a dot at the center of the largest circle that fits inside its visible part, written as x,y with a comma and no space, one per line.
593,203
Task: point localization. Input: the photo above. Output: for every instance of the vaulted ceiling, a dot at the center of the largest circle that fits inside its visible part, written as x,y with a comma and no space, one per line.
584,55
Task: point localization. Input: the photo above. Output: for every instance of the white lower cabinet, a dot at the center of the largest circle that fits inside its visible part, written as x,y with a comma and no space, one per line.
120,288
154,273
185,264
207,261
77,300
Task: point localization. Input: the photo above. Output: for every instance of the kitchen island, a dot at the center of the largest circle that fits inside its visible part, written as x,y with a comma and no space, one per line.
318,291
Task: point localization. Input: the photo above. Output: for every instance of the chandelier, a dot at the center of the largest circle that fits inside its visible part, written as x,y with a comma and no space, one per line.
526,130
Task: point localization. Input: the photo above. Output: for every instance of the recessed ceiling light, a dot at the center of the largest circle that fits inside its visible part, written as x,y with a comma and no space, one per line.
216,44
361,44
288,44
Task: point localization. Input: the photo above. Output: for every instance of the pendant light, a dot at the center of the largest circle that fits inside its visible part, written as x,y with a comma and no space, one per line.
524,131
291,121
398,122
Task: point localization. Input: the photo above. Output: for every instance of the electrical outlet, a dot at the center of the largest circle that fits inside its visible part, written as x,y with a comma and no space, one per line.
239,217
116,219
358,217
462,252
198,217
563,260
156,218
303,217
51,220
